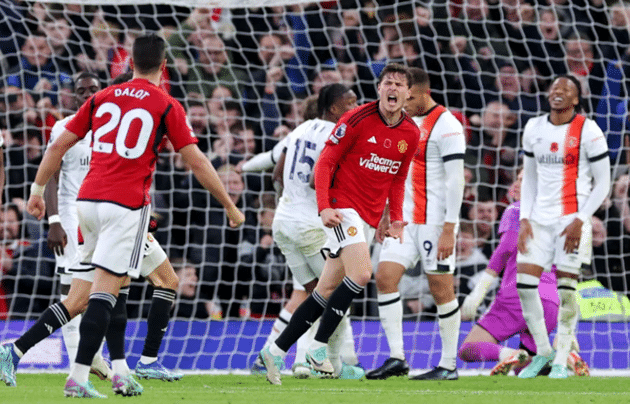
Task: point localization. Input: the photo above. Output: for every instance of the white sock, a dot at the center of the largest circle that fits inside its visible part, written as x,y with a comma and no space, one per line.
304,342
79,373
120,367
276,351
390,311
71,336
348,351
147,360
449,320
18,352
278,326
334,345
315,345
567,318
505,353
533,312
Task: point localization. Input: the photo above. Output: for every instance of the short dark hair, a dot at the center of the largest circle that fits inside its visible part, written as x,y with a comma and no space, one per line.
84,75
328,95
395,68
578,85
418,76
122,78
149,51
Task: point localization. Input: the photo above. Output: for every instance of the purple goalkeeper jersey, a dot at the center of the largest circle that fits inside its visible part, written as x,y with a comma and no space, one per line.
504,259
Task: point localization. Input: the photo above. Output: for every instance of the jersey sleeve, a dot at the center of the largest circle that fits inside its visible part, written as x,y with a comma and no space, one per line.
57,130
451,142
594,141
81,124
527,143
178,130
339,141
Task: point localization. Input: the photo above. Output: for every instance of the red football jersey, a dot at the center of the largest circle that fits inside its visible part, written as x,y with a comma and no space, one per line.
365,163
128,122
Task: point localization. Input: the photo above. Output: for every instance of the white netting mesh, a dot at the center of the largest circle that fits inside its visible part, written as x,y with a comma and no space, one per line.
247,67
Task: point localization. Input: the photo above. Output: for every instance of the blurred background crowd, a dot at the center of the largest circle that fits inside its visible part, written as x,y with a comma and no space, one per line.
247,77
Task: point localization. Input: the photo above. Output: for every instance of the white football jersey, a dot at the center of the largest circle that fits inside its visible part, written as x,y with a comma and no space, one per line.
562,187
74,167
304,146
425,191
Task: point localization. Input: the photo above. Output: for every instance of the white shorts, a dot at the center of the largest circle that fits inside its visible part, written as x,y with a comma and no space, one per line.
547,246
301,244
420,242
352,230
113,236
154,256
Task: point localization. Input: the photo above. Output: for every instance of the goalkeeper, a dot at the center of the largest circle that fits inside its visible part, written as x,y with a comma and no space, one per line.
504,318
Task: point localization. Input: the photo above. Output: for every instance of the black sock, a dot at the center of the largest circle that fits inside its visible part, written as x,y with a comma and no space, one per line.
337,306
115,335
303,318
94,325
159,316
55,317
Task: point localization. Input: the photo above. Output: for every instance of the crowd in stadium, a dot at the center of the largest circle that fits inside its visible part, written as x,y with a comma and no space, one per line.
246,78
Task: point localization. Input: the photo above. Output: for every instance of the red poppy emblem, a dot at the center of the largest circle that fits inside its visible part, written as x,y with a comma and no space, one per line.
554,147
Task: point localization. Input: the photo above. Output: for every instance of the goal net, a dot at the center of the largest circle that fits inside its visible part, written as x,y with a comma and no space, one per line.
246,72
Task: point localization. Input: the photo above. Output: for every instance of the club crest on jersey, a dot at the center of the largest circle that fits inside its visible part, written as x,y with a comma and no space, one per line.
571,142
352,231
402,146
387,143
554,147
423,133
338,133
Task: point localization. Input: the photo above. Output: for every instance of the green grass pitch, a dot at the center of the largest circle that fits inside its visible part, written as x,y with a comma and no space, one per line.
230,389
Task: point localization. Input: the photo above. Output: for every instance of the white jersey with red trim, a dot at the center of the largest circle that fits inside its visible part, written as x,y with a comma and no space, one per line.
562,187
425,190
303,147
74,167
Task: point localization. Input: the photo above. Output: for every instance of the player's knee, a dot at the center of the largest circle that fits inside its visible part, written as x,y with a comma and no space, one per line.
384,282
466,352
363,278
75,306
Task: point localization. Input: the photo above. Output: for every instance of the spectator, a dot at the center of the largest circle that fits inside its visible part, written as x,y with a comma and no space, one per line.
199,120
584,63
272,90
493,151
213,69
219,246
57,31
611,263
269,268
484,215
470,259
507,89
37,72
188,305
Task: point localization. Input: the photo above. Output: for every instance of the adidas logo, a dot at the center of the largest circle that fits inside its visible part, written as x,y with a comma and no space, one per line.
372,140
49,328
338,312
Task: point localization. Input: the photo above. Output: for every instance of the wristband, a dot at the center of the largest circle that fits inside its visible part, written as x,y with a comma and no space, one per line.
54,219
37,190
